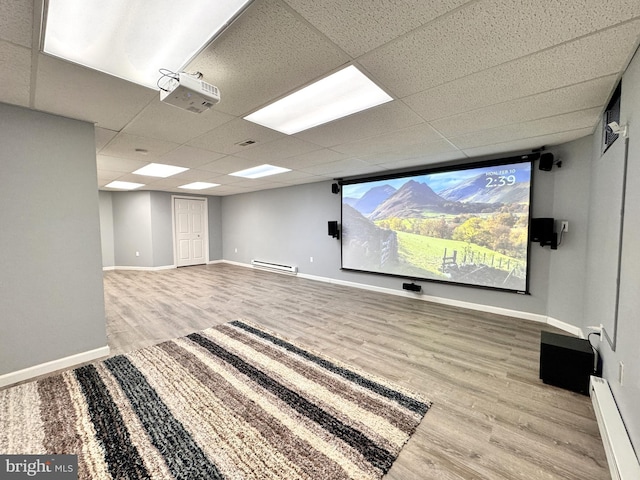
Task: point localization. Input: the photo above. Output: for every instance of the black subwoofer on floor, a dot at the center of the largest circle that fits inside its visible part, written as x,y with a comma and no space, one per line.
566,362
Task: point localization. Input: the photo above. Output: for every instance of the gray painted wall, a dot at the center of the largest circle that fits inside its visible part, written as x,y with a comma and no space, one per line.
132,229
51,293
142,222
567,270
628,334
106,229
214,206
161,229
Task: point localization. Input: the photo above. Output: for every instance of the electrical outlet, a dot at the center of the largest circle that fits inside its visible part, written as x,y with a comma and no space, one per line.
236,250
620,373
564,227
137,254
311,259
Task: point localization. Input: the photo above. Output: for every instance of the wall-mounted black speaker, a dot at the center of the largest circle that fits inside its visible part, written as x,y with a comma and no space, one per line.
542,230
335,188
546,162
333,229
412,287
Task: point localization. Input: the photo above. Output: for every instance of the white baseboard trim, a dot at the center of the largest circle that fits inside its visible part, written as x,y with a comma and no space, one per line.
52,366
237,264
146,269
567,327
211,262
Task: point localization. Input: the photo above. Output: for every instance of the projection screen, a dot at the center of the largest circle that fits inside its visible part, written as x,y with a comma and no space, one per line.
466,225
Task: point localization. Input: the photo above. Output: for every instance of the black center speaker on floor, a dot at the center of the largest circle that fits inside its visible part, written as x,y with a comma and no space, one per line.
412,287
566,362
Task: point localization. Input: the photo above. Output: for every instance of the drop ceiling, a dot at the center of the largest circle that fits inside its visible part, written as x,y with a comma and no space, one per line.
468,79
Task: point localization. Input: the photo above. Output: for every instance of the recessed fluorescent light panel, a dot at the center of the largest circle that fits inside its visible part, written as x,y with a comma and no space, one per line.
124,185
260,171
199,185
133,40
159,170
343,93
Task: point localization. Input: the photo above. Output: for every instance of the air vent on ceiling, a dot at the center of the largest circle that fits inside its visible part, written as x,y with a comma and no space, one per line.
246,143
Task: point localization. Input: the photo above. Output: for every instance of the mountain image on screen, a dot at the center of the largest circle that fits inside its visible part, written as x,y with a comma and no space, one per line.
408,201
468,226
370,200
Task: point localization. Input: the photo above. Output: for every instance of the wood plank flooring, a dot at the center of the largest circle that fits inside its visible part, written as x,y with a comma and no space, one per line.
492,417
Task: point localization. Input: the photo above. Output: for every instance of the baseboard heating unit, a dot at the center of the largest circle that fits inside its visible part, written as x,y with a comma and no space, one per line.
276,267
621,457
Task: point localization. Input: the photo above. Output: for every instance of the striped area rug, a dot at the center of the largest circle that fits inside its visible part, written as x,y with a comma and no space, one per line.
231,402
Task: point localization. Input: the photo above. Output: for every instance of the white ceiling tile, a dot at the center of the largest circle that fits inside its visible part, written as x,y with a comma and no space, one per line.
189,157
277,150
223,179
203,191
15,74
358,27
125,146
307,179
343,168
228,164
190,175
420,162
584,59
260,183
582,96
375,121
535,128
16,21
116,164
143,179
103,137
268,52
390,142
167,122
171,182
495,32
525,144
427,153
226,190
84,94
294,177
226,138
106,176
194,176
317,157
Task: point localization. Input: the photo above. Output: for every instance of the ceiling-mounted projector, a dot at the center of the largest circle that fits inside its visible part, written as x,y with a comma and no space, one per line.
190,93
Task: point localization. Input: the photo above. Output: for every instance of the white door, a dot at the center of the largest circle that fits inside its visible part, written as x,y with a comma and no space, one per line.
190,231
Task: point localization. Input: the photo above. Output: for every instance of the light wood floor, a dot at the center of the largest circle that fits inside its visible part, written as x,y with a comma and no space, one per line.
492,418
